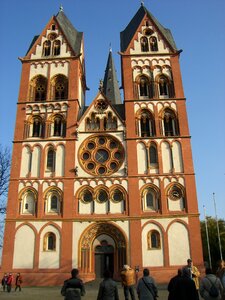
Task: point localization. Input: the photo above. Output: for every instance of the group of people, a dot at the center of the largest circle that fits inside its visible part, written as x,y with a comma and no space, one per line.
73,288
7,282
186,284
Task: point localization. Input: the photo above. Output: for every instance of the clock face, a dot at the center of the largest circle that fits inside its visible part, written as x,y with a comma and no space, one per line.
101,155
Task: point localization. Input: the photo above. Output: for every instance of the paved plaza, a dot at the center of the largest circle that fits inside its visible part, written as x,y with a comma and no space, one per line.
53,293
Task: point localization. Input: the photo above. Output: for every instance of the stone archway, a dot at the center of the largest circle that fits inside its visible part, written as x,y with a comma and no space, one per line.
87,249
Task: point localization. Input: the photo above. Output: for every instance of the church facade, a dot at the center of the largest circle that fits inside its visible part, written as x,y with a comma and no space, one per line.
95,187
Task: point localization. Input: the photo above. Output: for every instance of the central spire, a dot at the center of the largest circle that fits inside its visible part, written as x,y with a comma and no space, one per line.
110,84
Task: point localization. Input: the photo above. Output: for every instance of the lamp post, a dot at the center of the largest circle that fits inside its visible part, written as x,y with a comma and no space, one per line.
217,225
207,238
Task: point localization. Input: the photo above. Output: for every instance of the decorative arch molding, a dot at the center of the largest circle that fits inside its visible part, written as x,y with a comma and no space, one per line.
87,251
181,222
102,228
157,224
50,223
29,225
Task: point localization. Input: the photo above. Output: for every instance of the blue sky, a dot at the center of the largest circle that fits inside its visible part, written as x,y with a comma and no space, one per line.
198,29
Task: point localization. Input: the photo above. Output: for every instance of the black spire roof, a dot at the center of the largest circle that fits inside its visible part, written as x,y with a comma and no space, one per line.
128,33
110,83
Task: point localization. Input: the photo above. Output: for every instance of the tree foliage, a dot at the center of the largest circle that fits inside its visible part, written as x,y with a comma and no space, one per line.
213,240
5,159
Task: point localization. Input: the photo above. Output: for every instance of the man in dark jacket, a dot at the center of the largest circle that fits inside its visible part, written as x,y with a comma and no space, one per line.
73,288
185,287
108,288
172,284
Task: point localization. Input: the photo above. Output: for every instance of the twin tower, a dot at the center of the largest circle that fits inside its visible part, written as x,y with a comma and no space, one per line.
112,183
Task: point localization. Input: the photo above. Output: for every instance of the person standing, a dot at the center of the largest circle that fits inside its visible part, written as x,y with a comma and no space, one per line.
209,281
18,282
172,285
185,287
146,287
128,282
73,288
108,288
194,273
221,274
4,281
9,282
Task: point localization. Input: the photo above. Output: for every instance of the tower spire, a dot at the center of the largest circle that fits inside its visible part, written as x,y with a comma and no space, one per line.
110,83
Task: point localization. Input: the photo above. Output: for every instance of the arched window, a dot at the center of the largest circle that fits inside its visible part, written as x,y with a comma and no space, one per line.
59,126
153,43
56,47
144,44
47,48
153,239
51,155
93,123
150,197
61,87
86,196
143,87
54,203
28,203
53,200
102,196
153,155
110,122
118,195
38,88
49,242
147,124
163,86
37,127
170,122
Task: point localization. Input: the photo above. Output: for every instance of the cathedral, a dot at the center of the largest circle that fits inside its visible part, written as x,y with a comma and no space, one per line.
96,187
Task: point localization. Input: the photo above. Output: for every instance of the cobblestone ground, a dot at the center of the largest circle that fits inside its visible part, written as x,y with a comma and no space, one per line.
53,293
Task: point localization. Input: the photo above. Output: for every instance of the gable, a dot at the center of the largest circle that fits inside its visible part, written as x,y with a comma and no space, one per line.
142,20
59,32
101,115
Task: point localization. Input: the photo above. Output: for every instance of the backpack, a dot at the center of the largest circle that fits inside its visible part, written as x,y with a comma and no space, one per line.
213,291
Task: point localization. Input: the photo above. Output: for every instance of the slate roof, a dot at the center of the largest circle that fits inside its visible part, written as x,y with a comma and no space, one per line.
110,83
73,36
127,34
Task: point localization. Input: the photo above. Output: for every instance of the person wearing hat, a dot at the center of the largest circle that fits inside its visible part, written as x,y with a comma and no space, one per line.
128,282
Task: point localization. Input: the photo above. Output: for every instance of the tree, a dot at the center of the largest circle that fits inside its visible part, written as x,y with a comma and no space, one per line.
5,160
213,240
